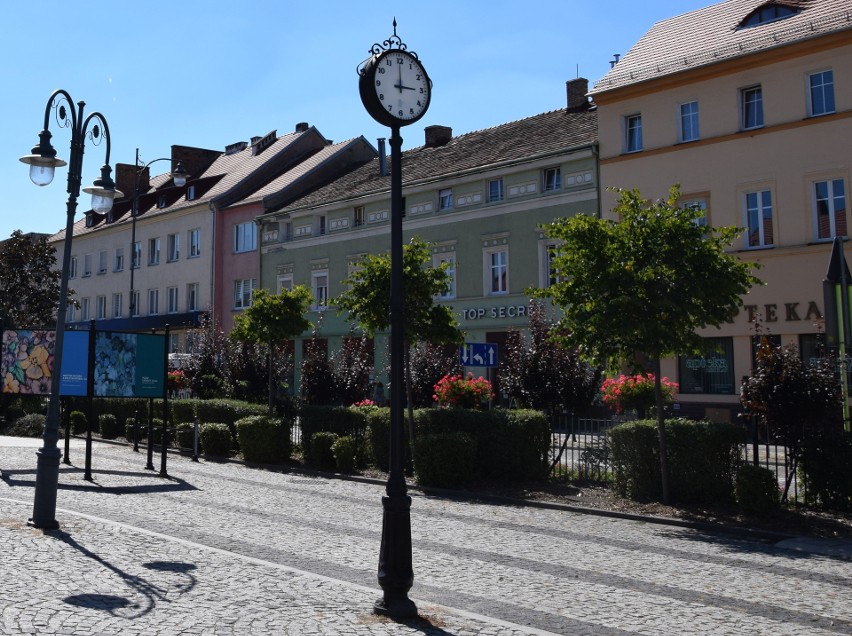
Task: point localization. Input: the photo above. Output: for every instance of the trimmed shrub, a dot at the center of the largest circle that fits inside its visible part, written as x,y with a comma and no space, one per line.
318,452
182,410
444,460
378,438
185,434
345,449
263,439
757,491
228,412
130,423
825,468
215,439
157,432
703,459
108,426
31,425
78,422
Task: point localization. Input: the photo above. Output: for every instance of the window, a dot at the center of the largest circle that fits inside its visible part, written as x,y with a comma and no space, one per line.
285,282
689,121
358,216
69,313
751,107
495,190
161,202
119,259
172,293
136,259
497,271
194,243
102,262
173,246
821,93
711,373
153,251
830,208
633,133
759,219
153,302
101,307
445,199
552,179
174,341
243,291
321,224
770,12
699,203
319,282
547,272
190,193
192,300
84,309
116,305
72,271
245,237
134,303
448,258
87,265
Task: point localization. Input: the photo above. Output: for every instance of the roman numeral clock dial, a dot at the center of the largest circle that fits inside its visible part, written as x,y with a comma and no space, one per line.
395,88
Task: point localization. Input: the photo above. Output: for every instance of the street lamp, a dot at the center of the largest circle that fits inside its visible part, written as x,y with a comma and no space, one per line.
180,176
43,162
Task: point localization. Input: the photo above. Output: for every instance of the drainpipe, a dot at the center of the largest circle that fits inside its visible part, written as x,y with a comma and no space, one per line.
212,259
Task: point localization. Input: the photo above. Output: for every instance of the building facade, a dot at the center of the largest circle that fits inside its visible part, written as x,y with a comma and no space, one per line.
747,105
478,199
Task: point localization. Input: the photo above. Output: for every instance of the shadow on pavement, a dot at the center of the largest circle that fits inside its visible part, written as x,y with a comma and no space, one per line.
17,478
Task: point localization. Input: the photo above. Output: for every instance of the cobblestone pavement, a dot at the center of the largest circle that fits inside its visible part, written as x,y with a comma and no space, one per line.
219,548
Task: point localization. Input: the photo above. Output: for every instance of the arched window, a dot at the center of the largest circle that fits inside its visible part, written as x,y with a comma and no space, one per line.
769,12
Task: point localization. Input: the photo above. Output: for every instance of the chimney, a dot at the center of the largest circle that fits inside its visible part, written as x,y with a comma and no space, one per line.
195,161
614,61
437,136
234,148
577,89
125,174
302,126
383,158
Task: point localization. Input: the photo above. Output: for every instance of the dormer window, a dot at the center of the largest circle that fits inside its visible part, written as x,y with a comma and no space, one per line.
769,12
190,193
161,202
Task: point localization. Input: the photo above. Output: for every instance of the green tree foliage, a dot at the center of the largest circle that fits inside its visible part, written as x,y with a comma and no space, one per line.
272,319
539,372
795,401
29,282
317,386
428,364
644,284
209,368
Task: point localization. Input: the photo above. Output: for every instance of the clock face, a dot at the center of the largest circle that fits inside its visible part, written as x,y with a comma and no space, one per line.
399,89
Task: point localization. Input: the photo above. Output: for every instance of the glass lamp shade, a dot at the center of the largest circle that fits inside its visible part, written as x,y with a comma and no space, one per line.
101,203
41,174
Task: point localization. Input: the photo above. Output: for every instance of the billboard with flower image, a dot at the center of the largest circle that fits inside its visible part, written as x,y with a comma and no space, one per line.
129,365
27,363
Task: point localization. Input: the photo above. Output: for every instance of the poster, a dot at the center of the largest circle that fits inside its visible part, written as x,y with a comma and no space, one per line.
75,364
129,365
27,362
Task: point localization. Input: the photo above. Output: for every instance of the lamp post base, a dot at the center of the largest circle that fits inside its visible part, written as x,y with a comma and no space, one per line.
47,482
395,568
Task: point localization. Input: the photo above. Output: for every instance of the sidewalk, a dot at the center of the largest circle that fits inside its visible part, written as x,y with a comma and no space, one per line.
219,548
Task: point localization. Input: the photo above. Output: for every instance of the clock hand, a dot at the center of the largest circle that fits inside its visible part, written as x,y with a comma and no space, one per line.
400,87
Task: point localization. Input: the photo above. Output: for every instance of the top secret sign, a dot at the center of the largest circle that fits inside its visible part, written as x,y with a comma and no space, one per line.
510,311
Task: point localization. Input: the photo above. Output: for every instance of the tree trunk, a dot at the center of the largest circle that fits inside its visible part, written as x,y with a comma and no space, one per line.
661,429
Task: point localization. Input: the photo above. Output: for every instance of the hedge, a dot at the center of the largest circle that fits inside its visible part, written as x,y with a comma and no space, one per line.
215,439
263,439
445,459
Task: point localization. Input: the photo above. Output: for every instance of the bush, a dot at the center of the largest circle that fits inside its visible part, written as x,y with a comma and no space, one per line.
78,422
157,432
757,491
129,425
703,459
215,439
108,426
31,425
825,468
228,412
444,460
318,450
345,450
185,435
263,439
377,439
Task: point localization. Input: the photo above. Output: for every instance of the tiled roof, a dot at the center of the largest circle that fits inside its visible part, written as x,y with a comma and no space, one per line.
524,139
711,35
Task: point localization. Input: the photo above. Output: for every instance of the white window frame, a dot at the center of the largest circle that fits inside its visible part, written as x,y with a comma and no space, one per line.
172,247
285,281
445,199
552,179
103,259
827,89
118,264
546,278
194,240
69,313
84,309
322,225
831,206
100,308
245,237
192,298
688,122
87,265
759,207
746,104
243,292
449,258
319,288
136,299
490,266
154,251
495,190
358,216
136,257
172,299
72,270
633,139
153,302
117,302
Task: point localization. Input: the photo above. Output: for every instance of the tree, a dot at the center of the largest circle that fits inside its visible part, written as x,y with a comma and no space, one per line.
209,366
271,319
367,300
644,285
539,372
29,281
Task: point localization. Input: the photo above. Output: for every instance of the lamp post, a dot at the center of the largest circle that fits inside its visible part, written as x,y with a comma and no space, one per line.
43,162
180,176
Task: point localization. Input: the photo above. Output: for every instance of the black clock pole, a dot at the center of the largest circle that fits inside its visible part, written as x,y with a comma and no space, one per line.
396,573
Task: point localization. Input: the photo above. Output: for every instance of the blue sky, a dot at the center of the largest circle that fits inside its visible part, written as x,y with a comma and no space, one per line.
212,73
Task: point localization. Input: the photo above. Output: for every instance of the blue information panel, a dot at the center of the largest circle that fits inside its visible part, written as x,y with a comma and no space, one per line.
478,354
75,364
